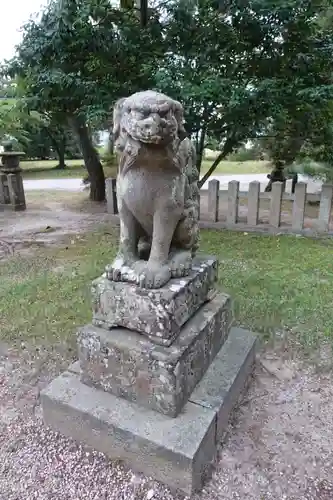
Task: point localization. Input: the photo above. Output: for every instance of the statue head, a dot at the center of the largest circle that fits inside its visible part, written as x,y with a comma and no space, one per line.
148,117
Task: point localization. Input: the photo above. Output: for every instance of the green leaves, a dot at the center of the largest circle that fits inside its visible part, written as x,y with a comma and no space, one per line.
239,67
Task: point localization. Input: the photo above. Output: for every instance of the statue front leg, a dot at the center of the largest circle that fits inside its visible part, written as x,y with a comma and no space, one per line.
120,269
185,242
157,272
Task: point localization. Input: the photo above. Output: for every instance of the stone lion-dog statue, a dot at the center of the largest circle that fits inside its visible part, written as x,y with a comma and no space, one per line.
157,191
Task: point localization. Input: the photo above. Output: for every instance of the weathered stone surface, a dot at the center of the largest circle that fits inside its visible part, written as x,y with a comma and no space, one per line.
129,365
325,207
227,376
157,191
253,203
11,183
4,191
16,191
177,452
160,313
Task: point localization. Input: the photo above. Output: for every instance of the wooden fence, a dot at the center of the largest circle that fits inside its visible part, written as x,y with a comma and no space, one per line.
274,212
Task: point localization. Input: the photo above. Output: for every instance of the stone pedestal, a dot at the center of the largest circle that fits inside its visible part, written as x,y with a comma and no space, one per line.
158,375
11,183
128,365
160,313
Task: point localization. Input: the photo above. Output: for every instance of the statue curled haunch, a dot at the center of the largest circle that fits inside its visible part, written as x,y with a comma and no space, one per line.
157,191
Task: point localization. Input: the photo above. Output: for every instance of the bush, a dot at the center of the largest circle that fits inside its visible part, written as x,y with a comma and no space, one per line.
210,154
108,159
244,154
320,171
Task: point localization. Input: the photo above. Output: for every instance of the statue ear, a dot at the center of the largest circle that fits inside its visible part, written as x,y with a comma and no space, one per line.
117,112
182,134
179,115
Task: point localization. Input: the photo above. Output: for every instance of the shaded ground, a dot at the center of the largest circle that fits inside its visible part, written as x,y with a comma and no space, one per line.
53,214
50,216
279,445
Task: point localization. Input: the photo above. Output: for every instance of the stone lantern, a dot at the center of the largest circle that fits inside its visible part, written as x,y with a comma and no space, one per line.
11,183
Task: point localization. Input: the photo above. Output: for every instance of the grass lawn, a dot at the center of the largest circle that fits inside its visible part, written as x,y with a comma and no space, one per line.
46,170
40,199
280,284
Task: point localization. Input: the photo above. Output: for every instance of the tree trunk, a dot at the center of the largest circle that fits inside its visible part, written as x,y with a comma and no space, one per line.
200,148
228,147
143,6
91,159
60,149
294,182
61,157
110,147
276,175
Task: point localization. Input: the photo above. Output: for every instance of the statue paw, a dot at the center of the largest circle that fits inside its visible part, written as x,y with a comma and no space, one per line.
181,264
154,276
121,268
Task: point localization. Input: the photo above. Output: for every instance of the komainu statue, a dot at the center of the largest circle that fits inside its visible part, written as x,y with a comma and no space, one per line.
157,191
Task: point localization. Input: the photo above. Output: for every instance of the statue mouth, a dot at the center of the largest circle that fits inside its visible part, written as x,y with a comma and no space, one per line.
152,140
149,139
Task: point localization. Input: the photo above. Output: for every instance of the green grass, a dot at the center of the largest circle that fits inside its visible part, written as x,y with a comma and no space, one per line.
280,284
238,167
46,169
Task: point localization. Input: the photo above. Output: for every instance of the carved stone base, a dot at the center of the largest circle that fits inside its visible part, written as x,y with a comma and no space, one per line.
176,451
159,313
129,365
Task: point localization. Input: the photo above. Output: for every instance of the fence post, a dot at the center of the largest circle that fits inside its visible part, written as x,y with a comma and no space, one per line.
299,206
233,198
325,207
111,195
213,200
276,202
253,203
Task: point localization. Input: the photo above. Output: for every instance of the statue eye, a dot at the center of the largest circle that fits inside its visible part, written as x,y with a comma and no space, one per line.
163,114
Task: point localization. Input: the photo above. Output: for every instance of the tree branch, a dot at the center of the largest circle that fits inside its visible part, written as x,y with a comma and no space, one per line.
227,149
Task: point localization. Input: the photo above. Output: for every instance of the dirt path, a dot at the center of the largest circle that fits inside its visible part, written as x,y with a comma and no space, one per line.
278,447
49,219
53,215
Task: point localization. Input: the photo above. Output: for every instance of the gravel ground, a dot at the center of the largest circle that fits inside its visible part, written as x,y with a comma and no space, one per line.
279,446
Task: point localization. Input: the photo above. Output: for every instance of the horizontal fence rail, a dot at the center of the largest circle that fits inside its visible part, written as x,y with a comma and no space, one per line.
221,208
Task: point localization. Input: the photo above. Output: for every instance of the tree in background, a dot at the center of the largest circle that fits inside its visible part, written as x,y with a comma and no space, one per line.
38,135
77,60
12,116
236,65
243,70
45,140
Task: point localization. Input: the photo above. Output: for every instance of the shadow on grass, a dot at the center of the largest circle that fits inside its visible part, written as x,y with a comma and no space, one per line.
76,169
281,286
71,171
